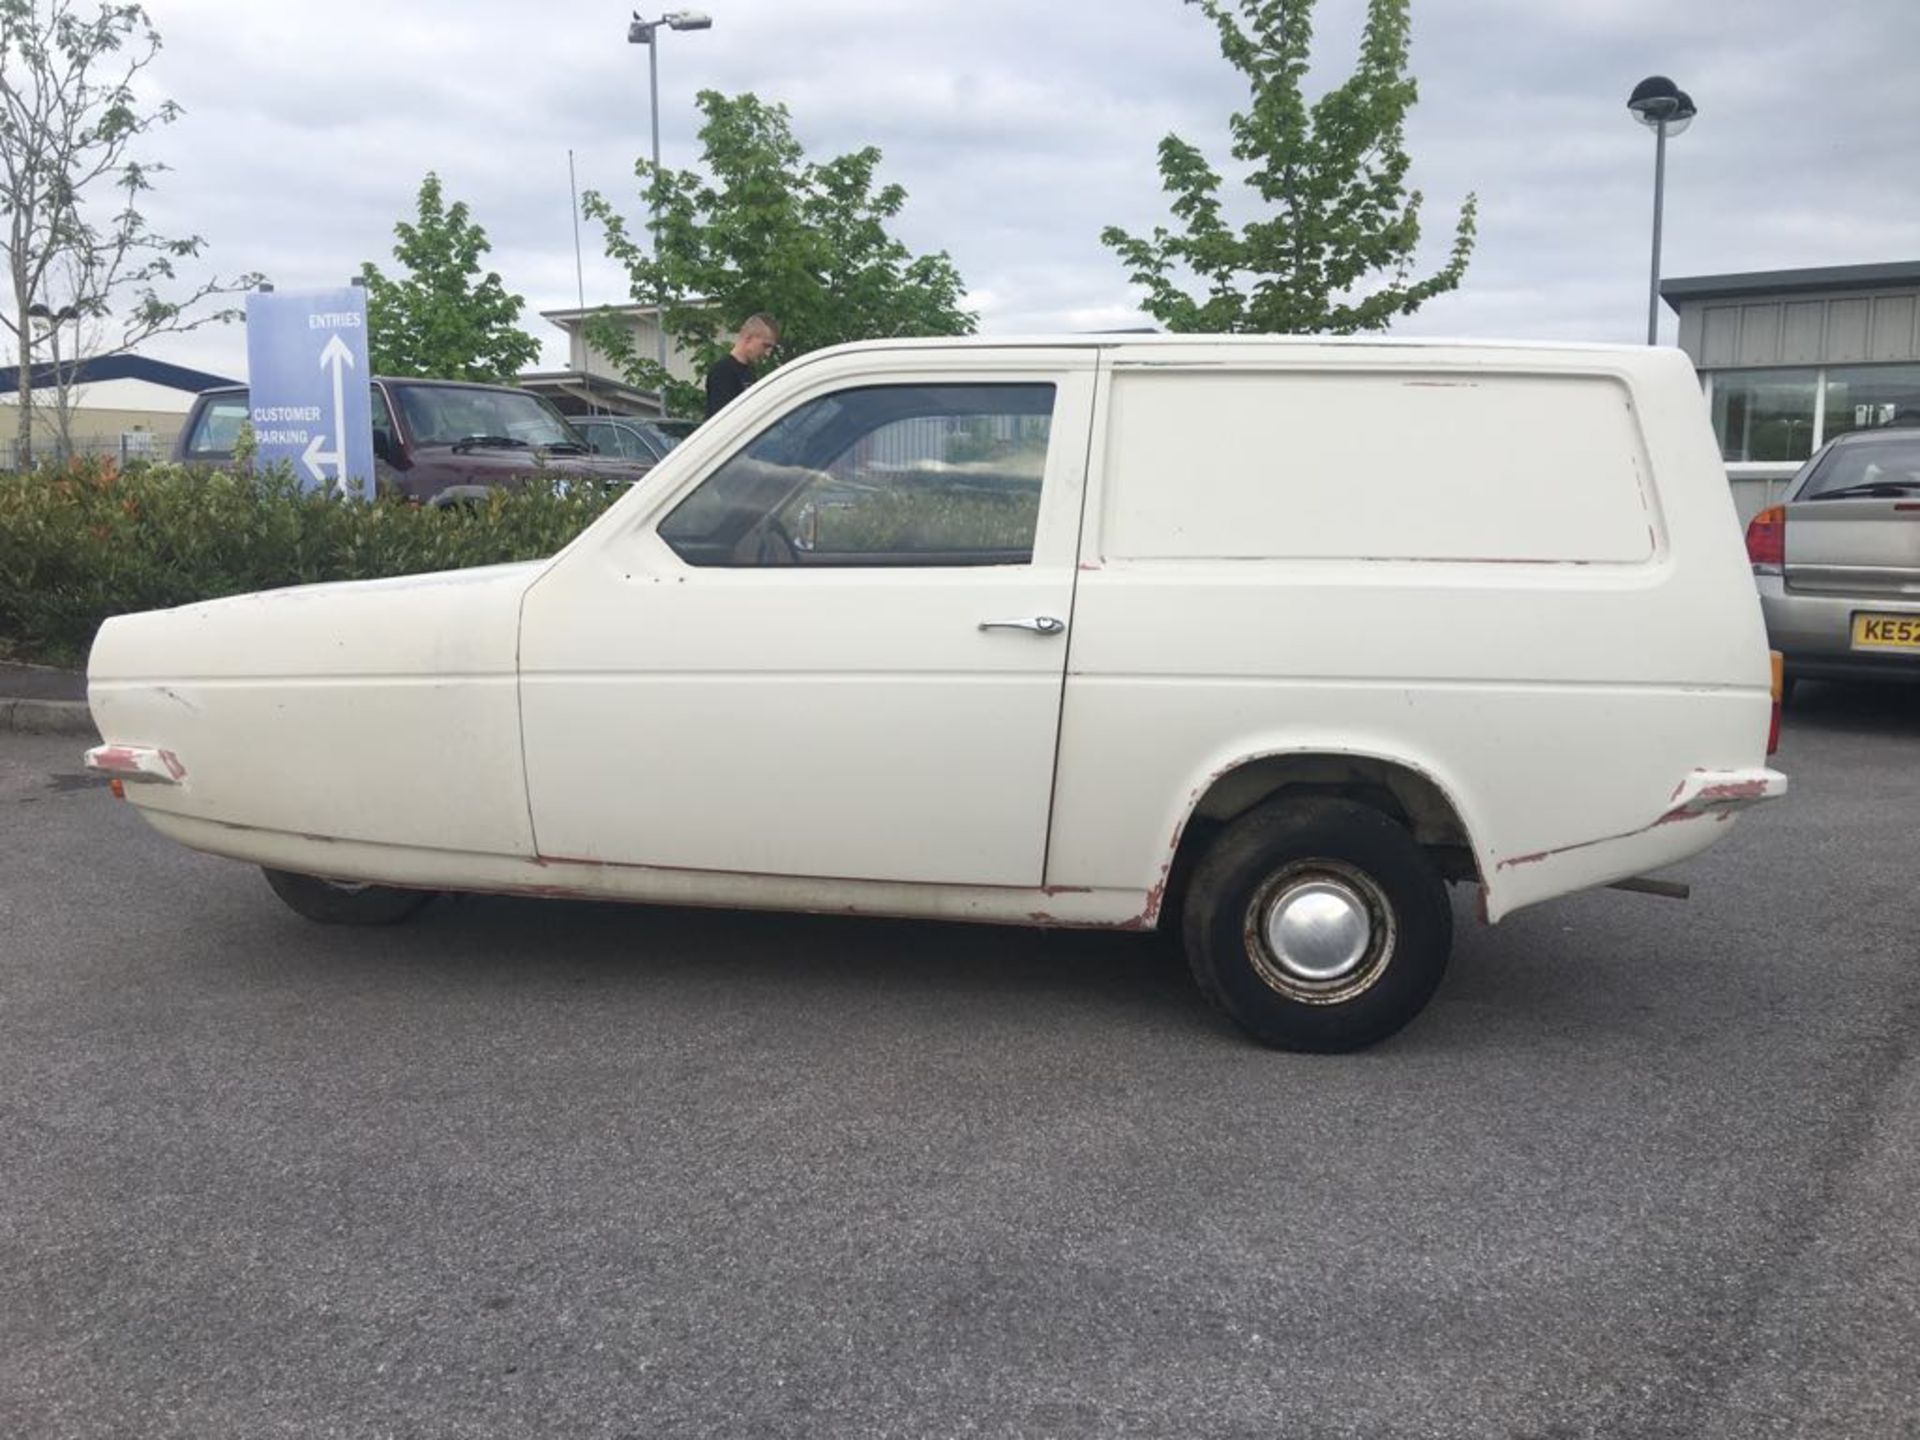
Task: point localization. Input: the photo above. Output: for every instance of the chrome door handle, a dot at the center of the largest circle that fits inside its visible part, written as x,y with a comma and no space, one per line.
1038,624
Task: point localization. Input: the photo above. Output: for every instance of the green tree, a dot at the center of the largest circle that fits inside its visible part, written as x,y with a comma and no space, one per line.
1336,219
442,319
769,230
70,113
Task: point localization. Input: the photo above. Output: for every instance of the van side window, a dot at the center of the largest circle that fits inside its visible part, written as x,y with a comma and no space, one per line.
886,475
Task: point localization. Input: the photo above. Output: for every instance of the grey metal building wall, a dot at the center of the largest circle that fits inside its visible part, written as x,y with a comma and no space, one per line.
1779,350
1839,314
1845,328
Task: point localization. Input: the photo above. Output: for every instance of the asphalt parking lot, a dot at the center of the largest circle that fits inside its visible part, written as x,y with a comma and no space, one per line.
1644,1169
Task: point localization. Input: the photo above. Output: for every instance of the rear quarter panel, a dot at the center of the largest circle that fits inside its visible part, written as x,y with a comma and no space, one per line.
1559,704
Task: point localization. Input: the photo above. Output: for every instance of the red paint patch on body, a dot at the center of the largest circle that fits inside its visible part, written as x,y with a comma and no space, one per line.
1739,790
1155,898
1533,859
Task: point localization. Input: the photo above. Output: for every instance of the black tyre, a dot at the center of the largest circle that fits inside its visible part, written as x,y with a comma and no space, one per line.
344,902
1317,924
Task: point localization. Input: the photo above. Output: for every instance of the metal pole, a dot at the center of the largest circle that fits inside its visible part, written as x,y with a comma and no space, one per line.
579,271
60,447
1659,190
659,307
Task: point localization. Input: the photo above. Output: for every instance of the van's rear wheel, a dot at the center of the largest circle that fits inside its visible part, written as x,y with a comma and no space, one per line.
344,902
1318,925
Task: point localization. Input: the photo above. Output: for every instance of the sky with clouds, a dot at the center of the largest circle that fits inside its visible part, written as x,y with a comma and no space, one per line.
1020,129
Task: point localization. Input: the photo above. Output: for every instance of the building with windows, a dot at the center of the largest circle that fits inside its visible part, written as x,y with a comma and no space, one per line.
1791,358
127,407
591,384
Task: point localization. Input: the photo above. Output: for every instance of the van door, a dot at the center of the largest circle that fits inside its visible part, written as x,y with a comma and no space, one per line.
837,647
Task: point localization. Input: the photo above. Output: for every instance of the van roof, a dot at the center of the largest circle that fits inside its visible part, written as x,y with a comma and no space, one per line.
1134,340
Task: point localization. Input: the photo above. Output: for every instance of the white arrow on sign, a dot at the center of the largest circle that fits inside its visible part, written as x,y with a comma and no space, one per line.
339,356
314,457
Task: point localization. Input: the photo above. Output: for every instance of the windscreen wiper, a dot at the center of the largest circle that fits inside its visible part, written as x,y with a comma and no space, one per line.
488,442
1871,489
566,447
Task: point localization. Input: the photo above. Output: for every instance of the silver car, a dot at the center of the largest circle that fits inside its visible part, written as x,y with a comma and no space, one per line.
1838,563
629,437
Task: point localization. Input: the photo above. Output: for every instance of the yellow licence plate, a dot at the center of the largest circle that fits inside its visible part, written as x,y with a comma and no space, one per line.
1886,632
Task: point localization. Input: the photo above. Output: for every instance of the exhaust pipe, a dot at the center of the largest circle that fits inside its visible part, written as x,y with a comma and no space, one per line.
1665,889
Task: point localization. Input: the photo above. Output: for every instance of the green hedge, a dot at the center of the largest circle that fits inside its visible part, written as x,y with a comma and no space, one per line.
82,543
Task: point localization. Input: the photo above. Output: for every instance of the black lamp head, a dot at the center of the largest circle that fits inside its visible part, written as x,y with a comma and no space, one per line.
1656,100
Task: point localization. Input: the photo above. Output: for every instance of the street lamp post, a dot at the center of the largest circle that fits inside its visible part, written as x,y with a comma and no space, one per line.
1666,109
645,32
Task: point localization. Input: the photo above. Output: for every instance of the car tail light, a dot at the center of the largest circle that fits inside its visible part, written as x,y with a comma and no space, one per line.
1779,699
1767,540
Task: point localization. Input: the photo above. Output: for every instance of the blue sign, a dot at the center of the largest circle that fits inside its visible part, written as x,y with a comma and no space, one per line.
307,386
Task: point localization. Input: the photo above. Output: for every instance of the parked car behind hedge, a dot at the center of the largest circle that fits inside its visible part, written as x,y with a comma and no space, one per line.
626,435
434,441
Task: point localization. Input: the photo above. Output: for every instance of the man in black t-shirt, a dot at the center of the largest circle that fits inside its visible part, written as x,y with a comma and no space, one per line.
732,373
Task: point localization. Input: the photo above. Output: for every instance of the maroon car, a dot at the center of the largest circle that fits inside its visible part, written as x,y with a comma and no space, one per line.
434,441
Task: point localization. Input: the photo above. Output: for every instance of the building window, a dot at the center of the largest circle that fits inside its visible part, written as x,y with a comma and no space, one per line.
1765,414
1861,397
1782,416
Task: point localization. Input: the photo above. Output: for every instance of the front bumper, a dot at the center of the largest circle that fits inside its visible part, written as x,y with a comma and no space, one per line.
142,763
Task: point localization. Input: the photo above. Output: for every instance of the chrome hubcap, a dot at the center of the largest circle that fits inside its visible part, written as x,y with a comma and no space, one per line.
1318,930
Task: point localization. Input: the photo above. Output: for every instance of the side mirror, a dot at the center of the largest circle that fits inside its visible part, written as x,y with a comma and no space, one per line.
383,446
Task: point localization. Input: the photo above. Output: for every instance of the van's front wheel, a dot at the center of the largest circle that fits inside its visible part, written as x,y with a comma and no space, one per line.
344,902
1318,925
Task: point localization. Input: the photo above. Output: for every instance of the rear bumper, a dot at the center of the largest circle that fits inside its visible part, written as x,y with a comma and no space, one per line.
1815,633
1694,817
1896,668
1721,792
